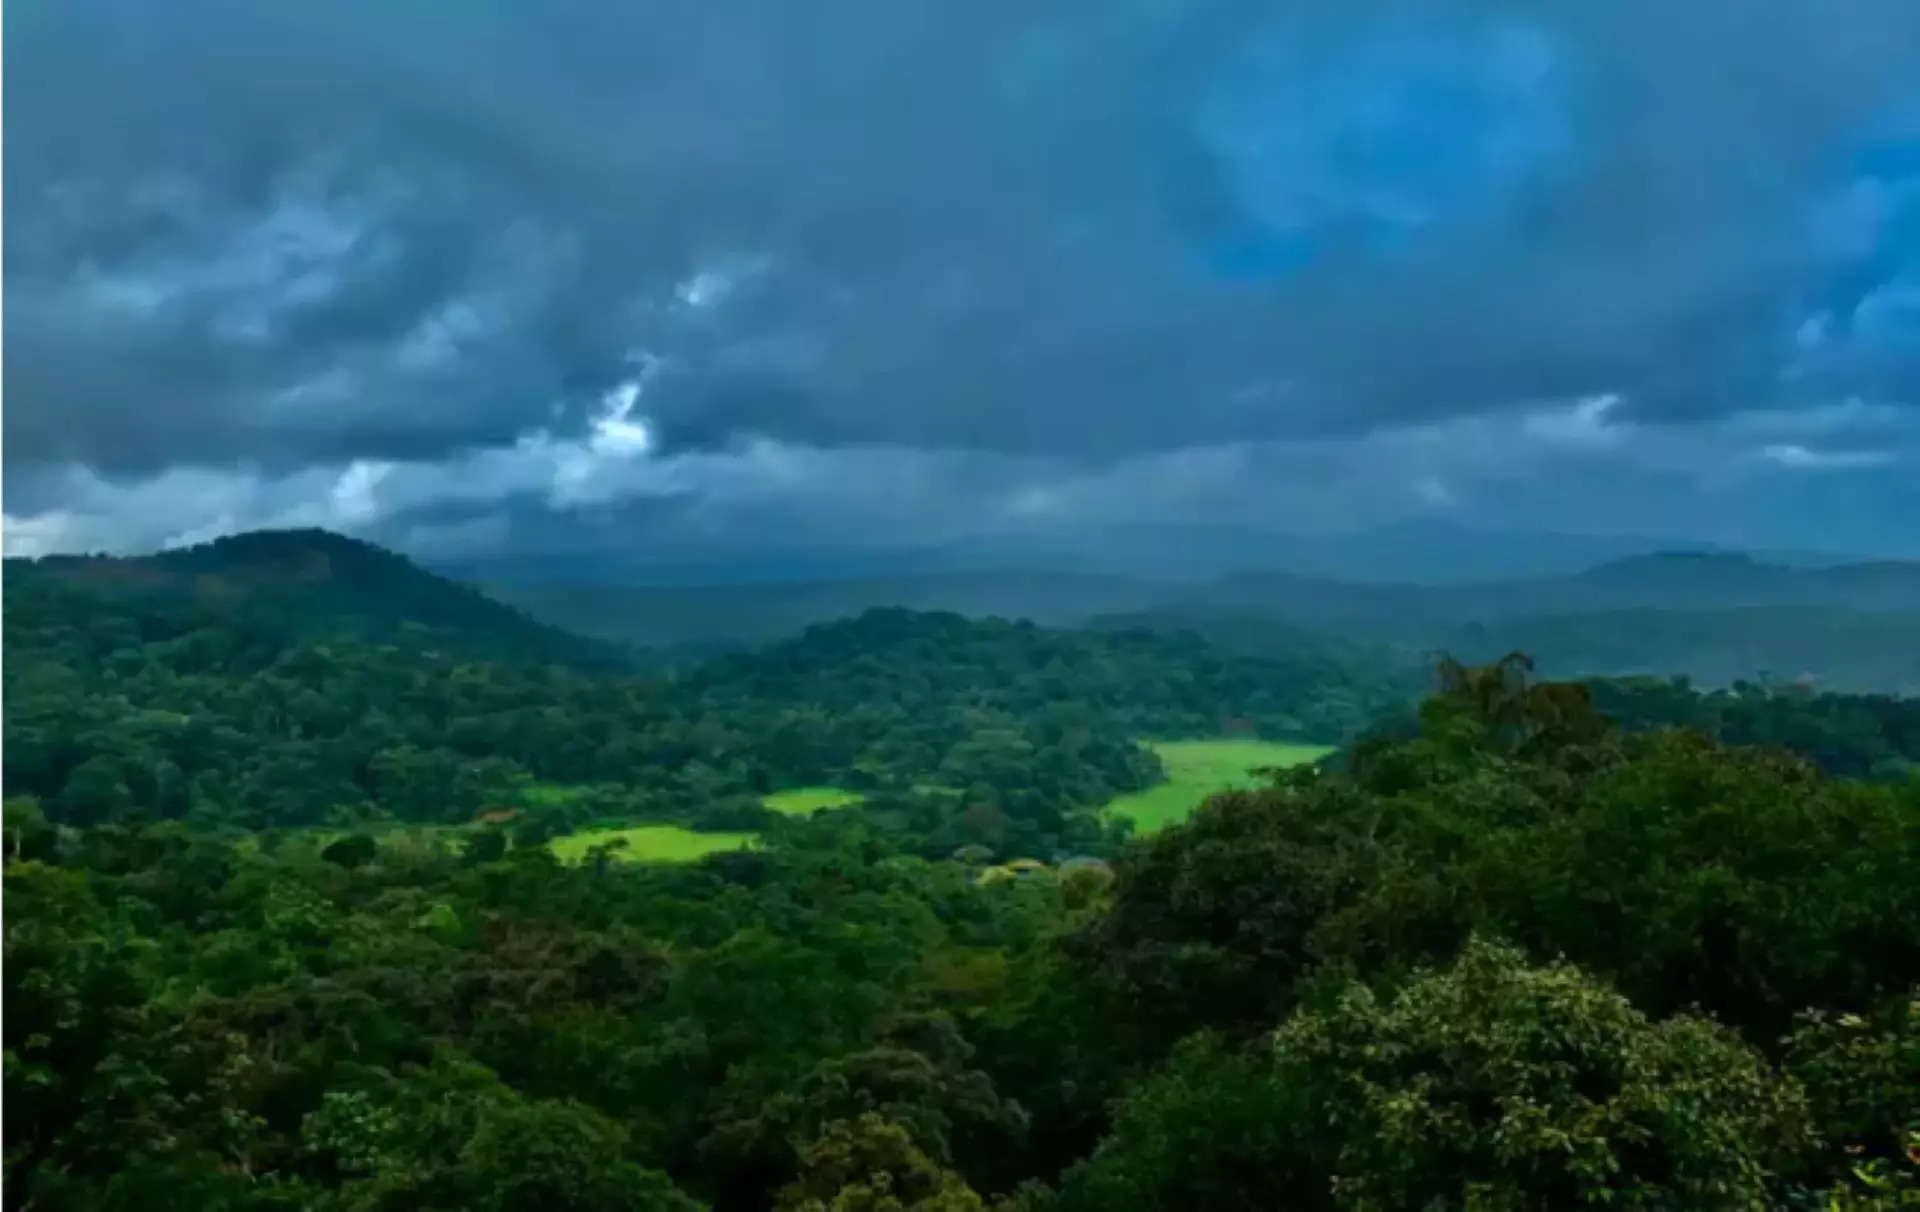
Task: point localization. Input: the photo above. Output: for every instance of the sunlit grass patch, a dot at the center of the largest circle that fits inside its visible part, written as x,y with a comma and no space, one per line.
805,801
651,844
1197,769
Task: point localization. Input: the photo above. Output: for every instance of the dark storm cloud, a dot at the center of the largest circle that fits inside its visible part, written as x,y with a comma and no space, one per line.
296,234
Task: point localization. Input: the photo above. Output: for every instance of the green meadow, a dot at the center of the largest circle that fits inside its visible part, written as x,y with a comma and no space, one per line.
651,844
805,801
1197,769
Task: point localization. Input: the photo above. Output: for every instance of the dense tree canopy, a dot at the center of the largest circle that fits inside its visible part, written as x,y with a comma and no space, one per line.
1147,683
1492,1084
1870,735
1285,994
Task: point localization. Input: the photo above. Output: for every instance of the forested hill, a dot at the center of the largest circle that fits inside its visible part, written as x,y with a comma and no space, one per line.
285,586
1836,647
139,689
1145,683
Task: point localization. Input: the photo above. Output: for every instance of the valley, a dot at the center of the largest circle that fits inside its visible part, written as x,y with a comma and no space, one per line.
425,869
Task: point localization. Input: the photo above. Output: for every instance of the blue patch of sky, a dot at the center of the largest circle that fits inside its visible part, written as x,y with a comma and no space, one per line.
1309,153
1869,227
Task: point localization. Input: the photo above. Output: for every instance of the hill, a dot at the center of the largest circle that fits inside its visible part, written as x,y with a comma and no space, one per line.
1829,646
704,618
302,680
298,585
1424,551
1716,617
1144,683
1658,581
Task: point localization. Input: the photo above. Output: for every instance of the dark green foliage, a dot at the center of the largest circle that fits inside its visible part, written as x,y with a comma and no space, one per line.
247,685
1737,880
449,1136
1146,683
25,832
353,850
1862,1077
424,1031
1492,1085
281,586
487,845
340,733
871,1165
952,1113
1862,735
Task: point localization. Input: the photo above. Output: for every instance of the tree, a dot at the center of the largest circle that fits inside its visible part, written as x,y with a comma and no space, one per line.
486,846
870,1165
1489,1085
27,833
96,790
1862,1077
950,1111
559,1156
353,850
451,1136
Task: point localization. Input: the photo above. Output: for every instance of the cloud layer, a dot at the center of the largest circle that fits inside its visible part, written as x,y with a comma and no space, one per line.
429,271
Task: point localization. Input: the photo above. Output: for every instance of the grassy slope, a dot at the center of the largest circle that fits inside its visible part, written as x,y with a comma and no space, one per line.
805,801
1196,769
652,844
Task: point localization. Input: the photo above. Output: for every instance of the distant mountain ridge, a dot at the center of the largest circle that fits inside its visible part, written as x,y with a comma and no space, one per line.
1716,616
1425,551
1660,580
754,613
734,615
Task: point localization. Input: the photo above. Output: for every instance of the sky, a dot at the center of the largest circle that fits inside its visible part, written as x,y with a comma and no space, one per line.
737,276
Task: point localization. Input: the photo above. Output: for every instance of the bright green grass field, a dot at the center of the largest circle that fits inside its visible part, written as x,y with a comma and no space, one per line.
1197,769
805,801
651,844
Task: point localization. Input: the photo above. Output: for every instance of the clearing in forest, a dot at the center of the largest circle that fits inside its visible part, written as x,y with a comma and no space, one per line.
651,844
1197,769
805,801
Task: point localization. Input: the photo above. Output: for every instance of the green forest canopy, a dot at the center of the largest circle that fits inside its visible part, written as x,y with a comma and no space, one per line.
1519,958
1505,953
233,712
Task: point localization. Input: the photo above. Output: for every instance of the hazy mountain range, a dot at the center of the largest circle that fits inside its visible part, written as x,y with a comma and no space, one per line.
1424,551
1581,604
1715,616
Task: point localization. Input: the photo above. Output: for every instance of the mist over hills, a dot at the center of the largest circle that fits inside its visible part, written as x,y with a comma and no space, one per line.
1659,580
1422,551
1717,616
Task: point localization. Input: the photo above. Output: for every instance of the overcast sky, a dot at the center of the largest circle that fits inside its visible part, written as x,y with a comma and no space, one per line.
492,277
